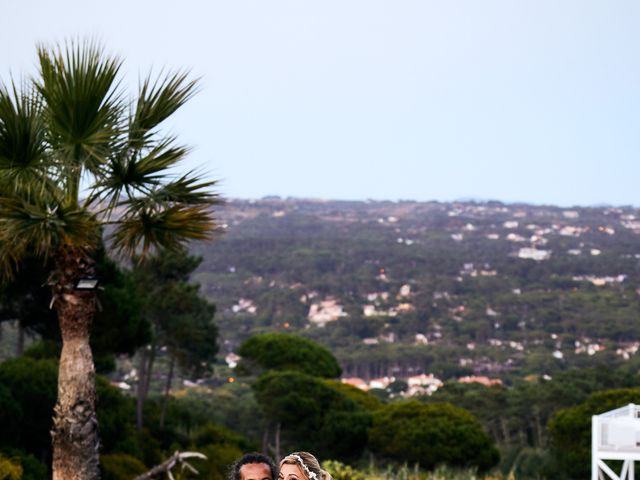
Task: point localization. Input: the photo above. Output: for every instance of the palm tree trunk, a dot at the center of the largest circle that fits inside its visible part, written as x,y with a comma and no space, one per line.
75,426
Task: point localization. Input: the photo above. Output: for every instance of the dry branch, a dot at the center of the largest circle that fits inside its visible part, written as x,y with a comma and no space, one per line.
167,465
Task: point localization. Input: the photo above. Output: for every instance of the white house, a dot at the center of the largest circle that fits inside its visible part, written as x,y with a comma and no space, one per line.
423,384
534,254
326,311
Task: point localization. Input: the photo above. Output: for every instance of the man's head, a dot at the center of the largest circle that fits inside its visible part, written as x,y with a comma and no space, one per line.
253,466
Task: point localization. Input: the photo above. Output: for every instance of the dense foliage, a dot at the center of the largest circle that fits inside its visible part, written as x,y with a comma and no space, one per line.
313,415
27,396
432,434
281,351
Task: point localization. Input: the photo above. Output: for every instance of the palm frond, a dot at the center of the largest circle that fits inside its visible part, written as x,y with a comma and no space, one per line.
157,100
141,231
39,226
24,163
131,175
188,190
11,256
83,105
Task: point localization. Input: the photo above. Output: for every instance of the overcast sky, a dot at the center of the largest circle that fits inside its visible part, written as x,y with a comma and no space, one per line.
513,100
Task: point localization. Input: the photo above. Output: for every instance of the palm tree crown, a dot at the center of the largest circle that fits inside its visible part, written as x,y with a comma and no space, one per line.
73,126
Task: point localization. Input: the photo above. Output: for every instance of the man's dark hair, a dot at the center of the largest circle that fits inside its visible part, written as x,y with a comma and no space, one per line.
249,458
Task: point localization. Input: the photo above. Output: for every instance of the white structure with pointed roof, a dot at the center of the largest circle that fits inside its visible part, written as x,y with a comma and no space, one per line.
615,436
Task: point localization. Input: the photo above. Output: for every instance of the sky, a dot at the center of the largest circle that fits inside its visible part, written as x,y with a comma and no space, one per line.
510,100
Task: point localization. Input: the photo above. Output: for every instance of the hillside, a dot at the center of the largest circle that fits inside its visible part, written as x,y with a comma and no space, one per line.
403,288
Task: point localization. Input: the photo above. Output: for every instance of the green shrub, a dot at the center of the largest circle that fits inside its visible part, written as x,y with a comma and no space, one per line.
32,469
212,434
340,471
529,463
314,416
10,469
26,404
431,435
219,459
120,466
284,351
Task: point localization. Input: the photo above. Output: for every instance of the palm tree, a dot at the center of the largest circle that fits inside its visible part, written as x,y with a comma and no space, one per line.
78,157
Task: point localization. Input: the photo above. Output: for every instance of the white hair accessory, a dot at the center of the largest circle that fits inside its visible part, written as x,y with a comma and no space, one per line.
309,473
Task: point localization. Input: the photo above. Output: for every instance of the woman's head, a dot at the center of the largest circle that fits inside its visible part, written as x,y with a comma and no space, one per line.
301,466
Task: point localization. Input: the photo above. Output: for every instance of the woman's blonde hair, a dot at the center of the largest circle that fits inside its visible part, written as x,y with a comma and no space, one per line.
308,464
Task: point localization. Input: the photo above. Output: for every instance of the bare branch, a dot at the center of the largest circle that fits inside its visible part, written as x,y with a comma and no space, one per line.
168,464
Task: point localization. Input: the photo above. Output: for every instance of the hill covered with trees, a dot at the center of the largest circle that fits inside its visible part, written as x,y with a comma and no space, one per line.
452,289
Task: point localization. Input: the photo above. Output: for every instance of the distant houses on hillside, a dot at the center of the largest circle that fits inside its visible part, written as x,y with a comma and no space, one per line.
328,310
423,384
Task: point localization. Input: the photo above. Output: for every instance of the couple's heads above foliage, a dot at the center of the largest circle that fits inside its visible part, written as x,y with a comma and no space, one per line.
77,152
